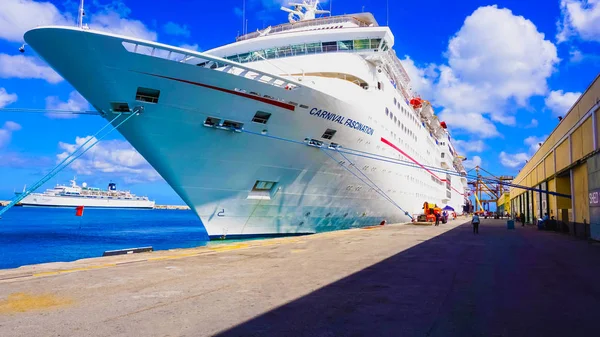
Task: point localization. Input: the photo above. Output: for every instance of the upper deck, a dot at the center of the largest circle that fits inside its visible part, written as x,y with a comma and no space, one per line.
340,21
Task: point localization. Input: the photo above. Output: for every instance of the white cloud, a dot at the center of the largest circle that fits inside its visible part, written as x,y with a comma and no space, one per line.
421,79
113,157
560,102
496,62
534,142
18,16
517,159
6,132
534,124
474,123
6,98
579,18
513,160
470,163
575,55
172,28
76,102
190,46
26,67
469,146
113,22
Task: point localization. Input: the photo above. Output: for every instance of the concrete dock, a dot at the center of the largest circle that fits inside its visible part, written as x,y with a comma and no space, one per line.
396,280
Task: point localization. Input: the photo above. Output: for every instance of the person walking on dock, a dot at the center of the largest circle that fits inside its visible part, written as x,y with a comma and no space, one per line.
522,219
475,222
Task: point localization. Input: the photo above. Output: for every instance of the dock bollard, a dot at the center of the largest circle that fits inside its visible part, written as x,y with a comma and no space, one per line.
128,251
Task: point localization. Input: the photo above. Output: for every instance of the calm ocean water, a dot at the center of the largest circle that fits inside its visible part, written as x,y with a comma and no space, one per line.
38,235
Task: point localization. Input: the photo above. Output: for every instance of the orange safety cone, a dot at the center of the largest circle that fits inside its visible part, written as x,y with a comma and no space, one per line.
79,211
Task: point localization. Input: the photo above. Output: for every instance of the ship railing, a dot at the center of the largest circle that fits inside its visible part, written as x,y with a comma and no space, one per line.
397,72
304,24
207,61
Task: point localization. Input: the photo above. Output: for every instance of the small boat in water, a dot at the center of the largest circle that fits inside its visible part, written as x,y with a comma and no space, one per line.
75,195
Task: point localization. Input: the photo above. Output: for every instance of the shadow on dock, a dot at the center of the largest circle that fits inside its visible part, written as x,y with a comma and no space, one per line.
499,283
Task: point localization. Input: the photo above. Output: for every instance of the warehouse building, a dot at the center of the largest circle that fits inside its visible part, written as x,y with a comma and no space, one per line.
568,166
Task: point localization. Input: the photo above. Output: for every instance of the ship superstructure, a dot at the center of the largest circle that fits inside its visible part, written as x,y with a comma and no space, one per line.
303,127
74,195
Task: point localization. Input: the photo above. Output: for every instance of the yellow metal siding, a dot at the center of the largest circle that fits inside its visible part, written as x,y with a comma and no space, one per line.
552,198
540,172
576,145
563,186
562,155
583,140
587,135
580,190
549,165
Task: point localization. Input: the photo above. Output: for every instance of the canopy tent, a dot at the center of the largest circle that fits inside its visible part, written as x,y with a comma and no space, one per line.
448,208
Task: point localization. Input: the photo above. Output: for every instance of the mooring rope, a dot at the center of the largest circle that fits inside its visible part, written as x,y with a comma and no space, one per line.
68,160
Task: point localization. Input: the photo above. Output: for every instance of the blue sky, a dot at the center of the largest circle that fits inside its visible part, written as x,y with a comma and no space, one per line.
499,73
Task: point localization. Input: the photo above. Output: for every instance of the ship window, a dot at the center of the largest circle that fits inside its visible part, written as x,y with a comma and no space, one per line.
299,49
120,107
387,112
391,115
329,47
384,46
361,44
284,51
313,48
263,185
345,45
395,120
270,53
247,57
443,154
261,117
147,95
211,121
329,133
395,101
375,43
233,125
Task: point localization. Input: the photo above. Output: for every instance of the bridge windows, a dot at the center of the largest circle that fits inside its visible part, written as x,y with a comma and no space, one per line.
307,48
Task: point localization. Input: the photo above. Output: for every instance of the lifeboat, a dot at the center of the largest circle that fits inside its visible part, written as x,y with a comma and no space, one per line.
427,111
416,102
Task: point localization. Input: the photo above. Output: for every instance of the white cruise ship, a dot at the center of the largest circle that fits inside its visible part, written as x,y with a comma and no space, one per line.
302,127
75,195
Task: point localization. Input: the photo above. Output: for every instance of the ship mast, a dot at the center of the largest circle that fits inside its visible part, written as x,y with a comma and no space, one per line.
81,14
306,10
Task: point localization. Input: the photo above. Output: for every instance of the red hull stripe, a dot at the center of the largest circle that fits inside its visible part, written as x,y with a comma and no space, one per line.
416,162
233,92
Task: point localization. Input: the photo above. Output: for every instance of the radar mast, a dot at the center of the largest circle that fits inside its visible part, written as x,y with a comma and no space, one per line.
306,10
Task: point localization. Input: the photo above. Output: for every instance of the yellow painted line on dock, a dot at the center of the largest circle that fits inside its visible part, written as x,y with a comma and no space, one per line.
65,271
202,251
226,248
22,302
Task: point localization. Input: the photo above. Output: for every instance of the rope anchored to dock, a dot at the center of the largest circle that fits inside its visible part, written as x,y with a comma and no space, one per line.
70,158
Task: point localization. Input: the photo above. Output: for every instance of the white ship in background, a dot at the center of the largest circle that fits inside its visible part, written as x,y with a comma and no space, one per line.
303,127
75,195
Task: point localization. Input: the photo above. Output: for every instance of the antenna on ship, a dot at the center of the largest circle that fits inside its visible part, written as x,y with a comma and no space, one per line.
244,18
81,14
387,12
306,10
